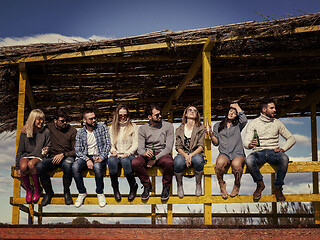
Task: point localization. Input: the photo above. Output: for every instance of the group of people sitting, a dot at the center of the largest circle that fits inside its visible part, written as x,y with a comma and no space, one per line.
42,148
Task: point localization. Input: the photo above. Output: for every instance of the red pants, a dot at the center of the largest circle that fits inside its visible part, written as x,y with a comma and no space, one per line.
139,165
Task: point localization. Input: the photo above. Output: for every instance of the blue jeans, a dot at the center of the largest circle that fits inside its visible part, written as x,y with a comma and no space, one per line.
113,164
98,168
256,159
46,165
180,163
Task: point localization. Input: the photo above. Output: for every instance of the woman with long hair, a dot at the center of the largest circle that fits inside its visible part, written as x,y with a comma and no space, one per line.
189,145
227,134
33,146
124,145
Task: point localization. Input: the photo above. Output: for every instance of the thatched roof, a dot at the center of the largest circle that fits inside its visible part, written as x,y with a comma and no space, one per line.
249,61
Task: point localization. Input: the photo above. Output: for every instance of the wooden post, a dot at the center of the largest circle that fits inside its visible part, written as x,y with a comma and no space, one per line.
169,206
153,206
274,204
20,121
206,90
315,176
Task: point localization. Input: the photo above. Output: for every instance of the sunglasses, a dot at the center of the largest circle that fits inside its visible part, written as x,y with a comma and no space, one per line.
157,115
93,118
192,110
123,115
62,121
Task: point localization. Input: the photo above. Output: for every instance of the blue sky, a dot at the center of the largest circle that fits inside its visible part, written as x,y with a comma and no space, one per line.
36,21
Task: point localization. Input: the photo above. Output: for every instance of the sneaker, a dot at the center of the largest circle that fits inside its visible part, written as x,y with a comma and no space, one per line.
279,195
102,200
165,193
258,191
146,192
80,200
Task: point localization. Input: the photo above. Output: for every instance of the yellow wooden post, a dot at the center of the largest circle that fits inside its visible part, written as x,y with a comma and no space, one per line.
153,206
169,206
20,121
315,175
206,89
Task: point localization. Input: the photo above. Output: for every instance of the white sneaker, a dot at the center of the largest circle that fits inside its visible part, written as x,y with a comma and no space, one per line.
80,200
102,200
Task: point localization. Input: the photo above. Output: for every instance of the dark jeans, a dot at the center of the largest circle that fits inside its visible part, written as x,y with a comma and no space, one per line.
46,165
113,164
139,165
256,159
180,163
98,168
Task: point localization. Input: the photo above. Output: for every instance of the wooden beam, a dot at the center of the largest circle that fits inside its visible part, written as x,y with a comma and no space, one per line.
153,46
131,59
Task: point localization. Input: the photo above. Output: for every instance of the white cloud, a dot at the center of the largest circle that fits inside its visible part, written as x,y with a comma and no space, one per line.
290,121
302,140
46,38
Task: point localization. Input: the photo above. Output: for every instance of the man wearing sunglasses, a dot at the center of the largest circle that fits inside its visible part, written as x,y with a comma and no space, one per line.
61,155
155,142
92,149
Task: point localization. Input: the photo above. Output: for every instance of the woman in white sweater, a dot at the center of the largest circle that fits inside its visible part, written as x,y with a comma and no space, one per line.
124,145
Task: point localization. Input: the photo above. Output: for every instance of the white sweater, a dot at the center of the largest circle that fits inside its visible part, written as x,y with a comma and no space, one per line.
125,144
268,130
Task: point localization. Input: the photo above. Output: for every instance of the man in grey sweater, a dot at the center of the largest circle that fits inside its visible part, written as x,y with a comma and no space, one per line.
268,129
155,144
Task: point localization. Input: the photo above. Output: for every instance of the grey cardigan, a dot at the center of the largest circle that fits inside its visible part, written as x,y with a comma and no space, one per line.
32,147
197,138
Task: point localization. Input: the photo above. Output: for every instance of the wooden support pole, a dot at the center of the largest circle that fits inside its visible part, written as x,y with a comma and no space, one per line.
153,206
20,121
170,206
315,176
206,89
274,204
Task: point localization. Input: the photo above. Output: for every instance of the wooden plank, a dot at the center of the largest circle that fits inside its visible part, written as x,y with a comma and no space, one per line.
91,199
206,92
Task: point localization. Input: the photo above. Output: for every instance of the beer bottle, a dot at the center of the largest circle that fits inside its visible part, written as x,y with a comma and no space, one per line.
255,136
154,152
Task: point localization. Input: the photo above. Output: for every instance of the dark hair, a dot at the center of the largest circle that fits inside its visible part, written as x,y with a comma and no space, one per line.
264,103
87,110
150,108
59,114
223,123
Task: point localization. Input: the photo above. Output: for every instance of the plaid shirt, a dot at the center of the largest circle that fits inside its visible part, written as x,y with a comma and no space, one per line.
101,134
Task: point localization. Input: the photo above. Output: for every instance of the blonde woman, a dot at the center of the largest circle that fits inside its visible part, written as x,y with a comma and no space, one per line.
33,146
124,145
189,145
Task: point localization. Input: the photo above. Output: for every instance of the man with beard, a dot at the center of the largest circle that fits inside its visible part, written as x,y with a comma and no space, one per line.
92,148
61,154
267,148
155,144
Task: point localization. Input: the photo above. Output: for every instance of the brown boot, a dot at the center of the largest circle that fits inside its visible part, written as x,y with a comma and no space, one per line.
279,195
222,184
259,189
236,187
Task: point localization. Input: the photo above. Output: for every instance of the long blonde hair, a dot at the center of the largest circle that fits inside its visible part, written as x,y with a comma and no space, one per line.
34,114
116,126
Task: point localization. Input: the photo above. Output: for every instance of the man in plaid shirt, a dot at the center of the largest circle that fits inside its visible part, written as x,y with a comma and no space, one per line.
92,148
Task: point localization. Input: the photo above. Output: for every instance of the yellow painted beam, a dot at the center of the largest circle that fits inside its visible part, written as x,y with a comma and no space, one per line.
153,46
192,71
206,92
108,51
92,199
294,167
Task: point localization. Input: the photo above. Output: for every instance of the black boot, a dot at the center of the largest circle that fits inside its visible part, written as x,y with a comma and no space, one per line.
66,191
115,186
46,184
133,186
